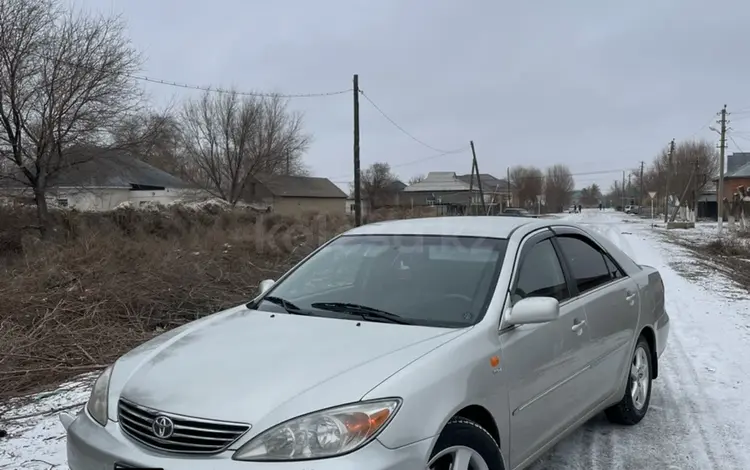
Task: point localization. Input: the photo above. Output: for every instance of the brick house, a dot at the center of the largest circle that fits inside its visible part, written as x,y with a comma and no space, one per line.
736,175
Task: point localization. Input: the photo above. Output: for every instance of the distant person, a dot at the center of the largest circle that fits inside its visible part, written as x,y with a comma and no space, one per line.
600,206
580,208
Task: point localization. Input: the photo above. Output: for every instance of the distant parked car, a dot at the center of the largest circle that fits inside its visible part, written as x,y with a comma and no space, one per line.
632,209
518,212
440,343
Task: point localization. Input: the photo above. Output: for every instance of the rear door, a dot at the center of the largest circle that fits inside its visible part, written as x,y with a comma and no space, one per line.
543,361
612,306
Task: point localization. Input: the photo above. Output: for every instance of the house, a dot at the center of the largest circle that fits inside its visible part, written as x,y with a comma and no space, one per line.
294,195
738,173
101,180
707,207
498,189
450,193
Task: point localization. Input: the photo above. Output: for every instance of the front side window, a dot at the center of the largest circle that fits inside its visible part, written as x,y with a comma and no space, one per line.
423,280
541,275
587,265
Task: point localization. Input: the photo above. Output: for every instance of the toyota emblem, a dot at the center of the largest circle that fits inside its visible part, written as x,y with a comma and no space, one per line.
163,427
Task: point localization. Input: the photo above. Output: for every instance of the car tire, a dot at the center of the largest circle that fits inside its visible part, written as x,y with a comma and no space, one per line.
634,405
469,438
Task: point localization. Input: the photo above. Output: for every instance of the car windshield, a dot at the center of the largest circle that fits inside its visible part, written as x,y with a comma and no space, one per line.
423,280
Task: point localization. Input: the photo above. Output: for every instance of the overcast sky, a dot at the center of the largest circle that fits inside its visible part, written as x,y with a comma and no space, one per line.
599,85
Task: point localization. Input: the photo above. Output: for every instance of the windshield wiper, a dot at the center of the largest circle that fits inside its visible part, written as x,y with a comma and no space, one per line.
286,305
362,310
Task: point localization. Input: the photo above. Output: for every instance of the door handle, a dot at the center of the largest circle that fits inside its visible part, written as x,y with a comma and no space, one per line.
578,326
630,296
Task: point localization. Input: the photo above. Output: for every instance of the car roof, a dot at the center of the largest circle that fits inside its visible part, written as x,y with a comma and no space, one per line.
459,226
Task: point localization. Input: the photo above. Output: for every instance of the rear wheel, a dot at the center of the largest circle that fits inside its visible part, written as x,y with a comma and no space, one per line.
634,405
465,445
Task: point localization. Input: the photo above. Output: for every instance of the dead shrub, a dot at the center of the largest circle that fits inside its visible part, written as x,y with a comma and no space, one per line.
729,246
105,282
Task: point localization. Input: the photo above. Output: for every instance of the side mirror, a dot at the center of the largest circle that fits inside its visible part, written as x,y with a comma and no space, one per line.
265,285
534,310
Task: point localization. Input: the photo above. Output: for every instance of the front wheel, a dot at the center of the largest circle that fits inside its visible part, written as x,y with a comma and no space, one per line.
465,445
634,405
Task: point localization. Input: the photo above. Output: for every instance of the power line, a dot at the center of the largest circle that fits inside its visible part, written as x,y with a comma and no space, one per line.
583,173
240,93
735,143
188,86
407,133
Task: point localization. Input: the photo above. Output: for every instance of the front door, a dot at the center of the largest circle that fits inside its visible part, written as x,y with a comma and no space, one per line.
542,362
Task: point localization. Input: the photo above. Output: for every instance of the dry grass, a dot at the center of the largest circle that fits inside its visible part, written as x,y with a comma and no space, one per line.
106,282
729,254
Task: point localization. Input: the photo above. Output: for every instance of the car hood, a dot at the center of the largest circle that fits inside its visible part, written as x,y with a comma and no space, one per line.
242,364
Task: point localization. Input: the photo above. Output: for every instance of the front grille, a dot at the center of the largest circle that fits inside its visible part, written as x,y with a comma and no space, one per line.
188,436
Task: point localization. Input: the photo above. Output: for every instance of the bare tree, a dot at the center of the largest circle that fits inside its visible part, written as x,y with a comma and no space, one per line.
229,139
591,195
690,156
153,136
416,179
378,185
528,183
558,187
65,78
616,193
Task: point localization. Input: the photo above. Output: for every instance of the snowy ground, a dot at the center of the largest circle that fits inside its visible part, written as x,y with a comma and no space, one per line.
700,411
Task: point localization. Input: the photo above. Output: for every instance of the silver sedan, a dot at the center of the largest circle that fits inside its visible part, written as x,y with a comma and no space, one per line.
443,343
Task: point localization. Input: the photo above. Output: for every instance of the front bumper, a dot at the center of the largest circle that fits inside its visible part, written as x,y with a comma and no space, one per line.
92,447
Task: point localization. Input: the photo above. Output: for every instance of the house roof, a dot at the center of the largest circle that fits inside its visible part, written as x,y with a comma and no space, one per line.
741,172
489,182
106,168
439,181
301,186
397,185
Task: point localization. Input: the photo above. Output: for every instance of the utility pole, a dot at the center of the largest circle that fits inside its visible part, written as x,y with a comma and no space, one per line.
722,145
476,168
622,192
357,182
510,191
640,202
666,189
630,188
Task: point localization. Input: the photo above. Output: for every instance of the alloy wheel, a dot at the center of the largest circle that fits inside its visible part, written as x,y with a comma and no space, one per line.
639,378
458,458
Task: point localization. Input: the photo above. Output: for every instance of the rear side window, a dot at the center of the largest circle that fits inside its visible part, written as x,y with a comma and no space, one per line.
541,275
586,261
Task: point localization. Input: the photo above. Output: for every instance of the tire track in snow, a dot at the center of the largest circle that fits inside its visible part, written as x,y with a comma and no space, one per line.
721,447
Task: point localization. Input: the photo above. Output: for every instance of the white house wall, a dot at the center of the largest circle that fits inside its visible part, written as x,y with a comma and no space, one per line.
165,197
89,199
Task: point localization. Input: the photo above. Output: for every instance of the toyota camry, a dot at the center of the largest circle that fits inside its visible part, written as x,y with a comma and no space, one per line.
464,343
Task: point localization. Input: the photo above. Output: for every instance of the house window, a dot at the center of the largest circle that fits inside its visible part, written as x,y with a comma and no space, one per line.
351,208
62,203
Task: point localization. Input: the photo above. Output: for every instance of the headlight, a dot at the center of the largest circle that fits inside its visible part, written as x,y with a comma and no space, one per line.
325,433
99,399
